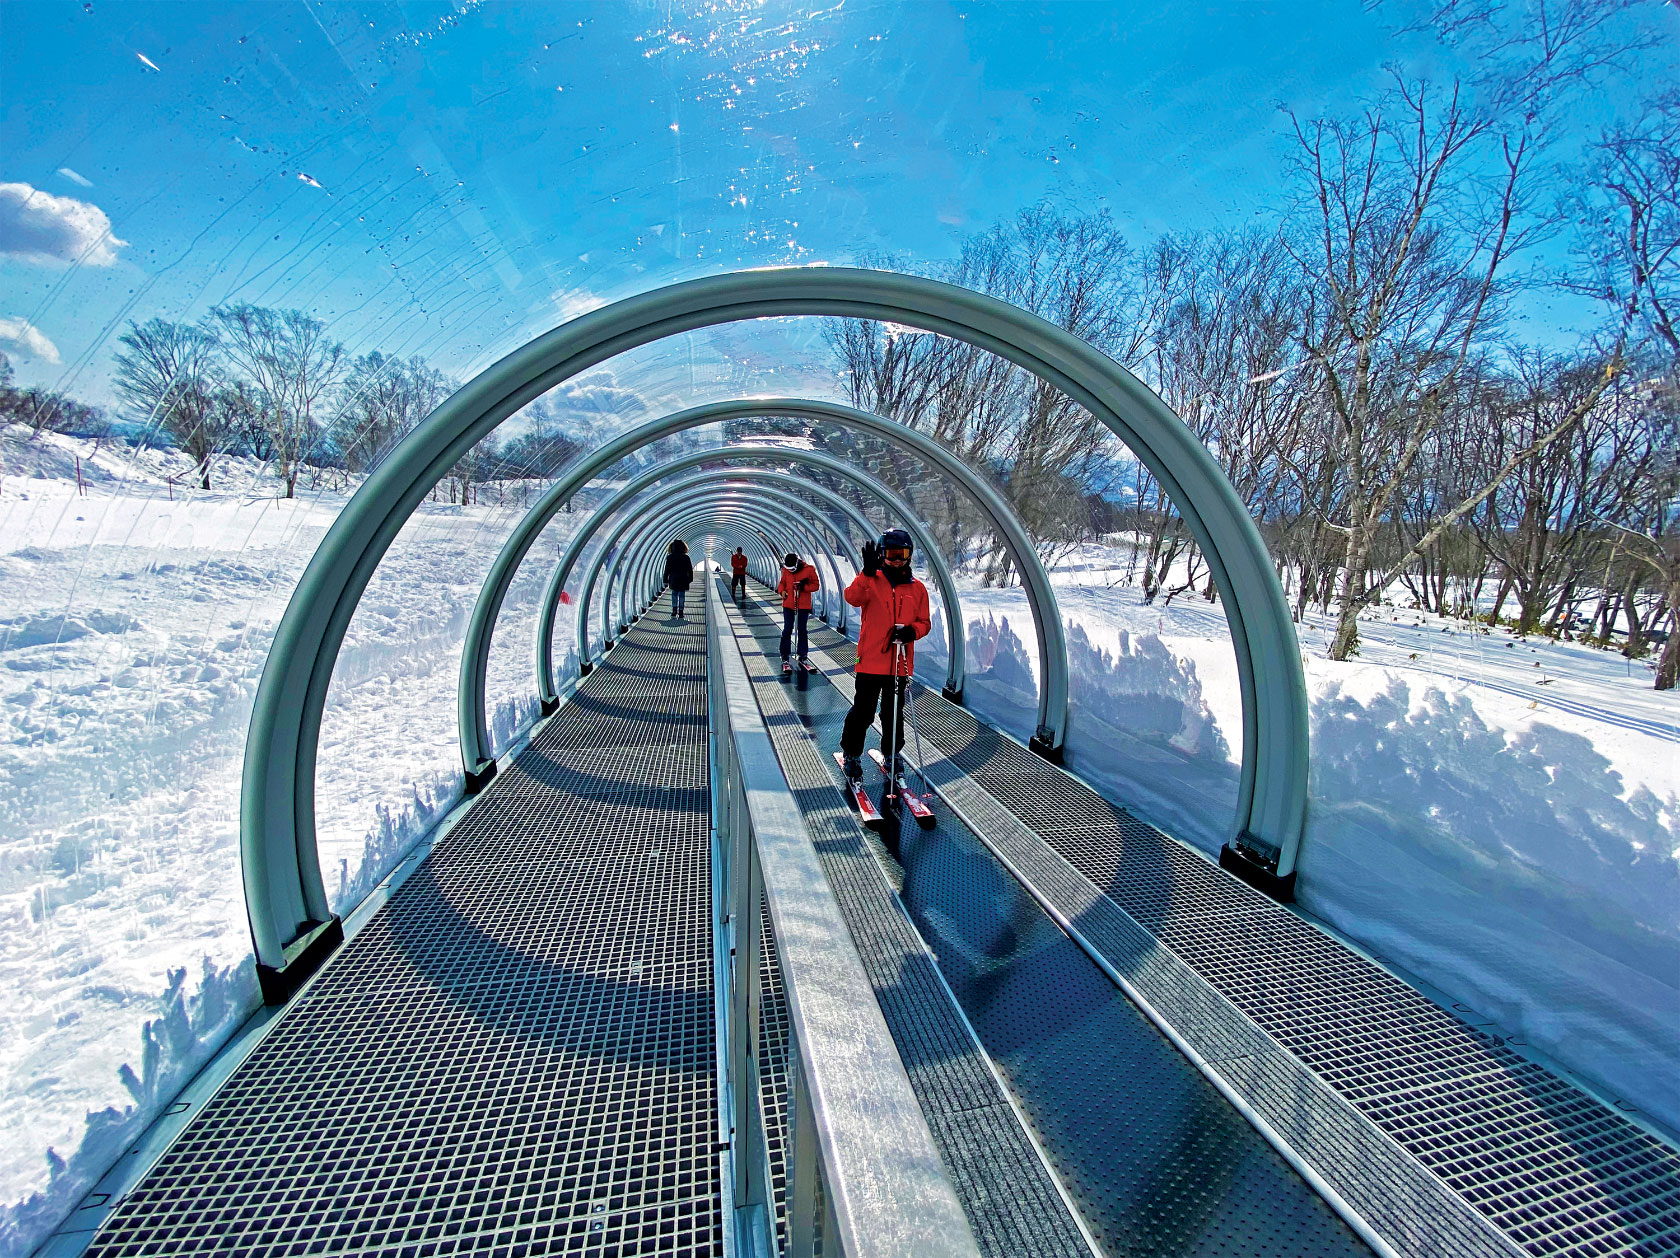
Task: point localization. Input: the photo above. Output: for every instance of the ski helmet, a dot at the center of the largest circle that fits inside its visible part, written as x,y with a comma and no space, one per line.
790,561
896,539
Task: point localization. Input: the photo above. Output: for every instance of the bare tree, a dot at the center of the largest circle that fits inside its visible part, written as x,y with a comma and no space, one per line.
384,397
1069,269
169,373
292,368
1545,522
1408,264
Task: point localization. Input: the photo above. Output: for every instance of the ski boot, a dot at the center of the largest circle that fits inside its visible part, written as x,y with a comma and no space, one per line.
787,669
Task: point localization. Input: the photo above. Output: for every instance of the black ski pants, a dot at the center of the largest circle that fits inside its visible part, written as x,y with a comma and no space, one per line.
875,691
790,617
738,584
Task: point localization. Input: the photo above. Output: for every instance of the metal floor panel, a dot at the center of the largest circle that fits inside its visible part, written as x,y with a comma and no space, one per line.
516,1054
1156,1161
1556,1170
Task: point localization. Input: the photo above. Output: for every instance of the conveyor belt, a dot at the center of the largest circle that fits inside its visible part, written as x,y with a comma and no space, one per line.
1552,1169
516,1053
1156,1160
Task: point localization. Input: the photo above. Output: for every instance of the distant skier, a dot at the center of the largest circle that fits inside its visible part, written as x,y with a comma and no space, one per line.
893,608
679,575
738,574
799,580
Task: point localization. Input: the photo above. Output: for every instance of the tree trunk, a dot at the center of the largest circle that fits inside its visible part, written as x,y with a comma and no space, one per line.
1346,642
1668,663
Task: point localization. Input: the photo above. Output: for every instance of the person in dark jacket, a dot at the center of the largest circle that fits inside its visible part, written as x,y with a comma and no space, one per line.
893,611
738,574
679,575
799,580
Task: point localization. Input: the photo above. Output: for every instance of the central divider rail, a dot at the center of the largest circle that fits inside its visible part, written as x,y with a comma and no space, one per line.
863,1174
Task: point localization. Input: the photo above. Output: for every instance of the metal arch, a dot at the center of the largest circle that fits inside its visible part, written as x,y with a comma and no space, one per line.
286,899
793,519
732,517
648,581
789,522
1047,623
830,588
956,628
547,692
783,482
711,514
723,521
751,517
733,520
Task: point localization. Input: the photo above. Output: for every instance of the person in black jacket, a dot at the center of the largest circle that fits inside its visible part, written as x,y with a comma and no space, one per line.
679,575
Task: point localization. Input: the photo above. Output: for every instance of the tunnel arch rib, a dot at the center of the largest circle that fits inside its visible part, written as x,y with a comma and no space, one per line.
1047,623
292,925
752,454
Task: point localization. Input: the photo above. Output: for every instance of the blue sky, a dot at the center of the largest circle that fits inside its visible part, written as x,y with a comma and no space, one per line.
452,179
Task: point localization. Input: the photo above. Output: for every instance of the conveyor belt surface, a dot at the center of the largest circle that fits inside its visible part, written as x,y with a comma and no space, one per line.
1157,1162
516,1054
1552,1169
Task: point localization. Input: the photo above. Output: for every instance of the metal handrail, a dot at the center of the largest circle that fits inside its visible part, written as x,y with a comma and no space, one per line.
864,1177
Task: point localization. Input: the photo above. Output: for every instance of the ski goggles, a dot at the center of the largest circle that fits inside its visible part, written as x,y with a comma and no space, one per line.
896,555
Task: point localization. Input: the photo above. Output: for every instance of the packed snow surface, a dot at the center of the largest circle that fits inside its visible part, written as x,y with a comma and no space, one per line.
1497,817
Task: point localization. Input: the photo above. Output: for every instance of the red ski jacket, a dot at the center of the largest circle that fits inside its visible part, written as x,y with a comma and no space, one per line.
795,587
883,605
738,564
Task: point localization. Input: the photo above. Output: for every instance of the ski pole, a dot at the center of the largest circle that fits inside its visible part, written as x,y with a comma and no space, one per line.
909,681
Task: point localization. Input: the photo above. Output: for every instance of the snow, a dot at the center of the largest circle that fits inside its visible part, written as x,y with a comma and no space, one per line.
1496,817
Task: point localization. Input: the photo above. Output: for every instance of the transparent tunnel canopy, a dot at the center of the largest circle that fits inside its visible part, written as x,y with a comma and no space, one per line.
245,249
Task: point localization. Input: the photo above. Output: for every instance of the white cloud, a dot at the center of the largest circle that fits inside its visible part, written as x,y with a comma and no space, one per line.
572,302
23,337
36,226
79,180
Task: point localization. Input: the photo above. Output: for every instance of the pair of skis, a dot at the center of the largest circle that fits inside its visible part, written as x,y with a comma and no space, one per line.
897,792
807,665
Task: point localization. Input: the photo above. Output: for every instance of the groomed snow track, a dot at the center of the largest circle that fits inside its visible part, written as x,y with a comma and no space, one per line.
1112,1043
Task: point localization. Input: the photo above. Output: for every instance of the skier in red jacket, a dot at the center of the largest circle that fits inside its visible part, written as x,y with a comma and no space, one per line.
893,607
738,574
799,579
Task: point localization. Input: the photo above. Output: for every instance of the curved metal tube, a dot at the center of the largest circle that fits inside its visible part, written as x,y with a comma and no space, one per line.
779,486
648,577
831,585
783,482
1047,622
286,898
790,523
734,520
708,515
956,644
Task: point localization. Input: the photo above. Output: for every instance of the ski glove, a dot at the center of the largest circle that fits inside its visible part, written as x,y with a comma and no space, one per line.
871,559
903,633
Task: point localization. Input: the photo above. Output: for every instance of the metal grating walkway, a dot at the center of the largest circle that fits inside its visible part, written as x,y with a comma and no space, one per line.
516,1054
1555,1170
